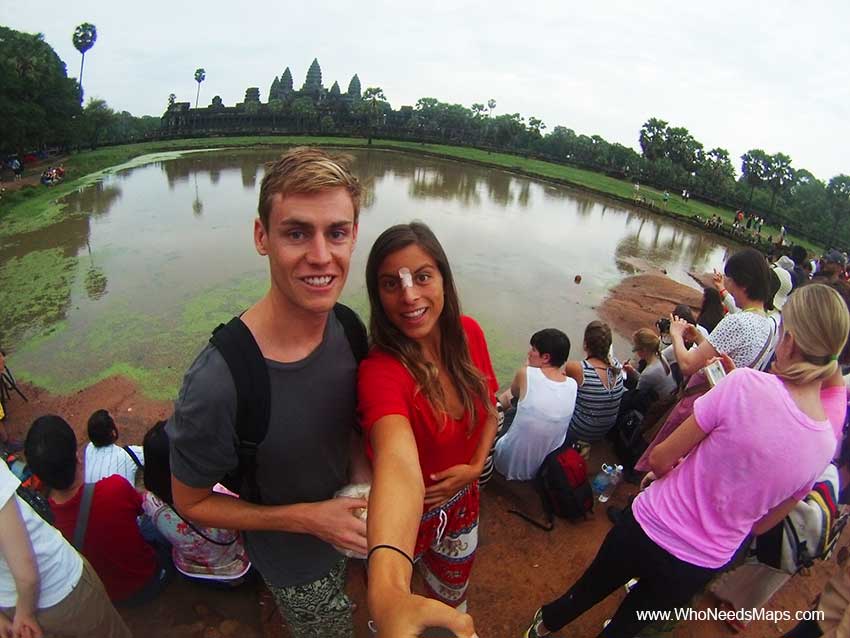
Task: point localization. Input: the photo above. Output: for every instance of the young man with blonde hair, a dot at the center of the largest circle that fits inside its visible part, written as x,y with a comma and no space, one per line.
306,228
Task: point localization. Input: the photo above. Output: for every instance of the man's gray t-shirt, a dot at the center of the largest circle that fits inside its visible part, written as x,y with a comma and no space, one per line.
304,457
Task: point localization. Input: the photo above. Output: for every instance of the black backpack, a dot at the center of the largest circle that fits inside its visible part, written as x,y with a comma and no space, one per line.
253,392
563,487
629,444
26,490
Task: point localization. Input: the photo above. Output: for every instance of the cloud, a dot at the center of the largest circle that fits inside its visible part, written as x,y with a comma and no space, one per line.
737,75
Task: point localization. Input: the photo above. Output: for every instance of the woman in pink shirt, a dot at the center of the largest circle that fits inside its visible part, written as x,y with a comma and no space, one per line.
722,475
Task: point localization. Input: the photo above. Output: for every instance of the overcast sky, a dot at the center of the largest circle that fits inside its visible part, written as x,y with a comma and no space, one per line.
739,75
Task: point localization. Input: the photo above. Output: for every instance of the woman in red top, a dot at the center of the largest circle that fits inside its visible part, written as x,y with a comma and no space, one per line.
426,399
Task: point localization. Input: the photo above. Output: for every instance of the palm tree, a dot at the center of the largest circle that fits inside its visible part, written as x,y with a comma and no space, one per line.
200,76
491,104
85,35
372,95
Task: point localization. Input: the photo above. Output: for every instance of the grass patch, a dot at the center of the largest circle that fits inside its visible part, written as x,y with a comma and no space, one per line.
35,292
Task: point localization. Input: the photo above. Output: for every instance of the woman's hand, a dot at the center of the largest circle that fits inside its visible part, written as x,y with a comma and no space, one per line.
717,280
449,482
647,480
409,615
681,328
725,360
26,626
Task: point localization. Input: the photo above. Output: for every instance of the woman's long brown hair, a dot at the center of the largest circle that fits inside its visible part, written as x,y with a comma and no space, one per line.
455,359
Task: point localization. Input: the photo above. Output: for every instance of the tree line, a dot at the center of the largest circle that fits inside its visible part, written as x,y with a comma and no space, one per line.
42,107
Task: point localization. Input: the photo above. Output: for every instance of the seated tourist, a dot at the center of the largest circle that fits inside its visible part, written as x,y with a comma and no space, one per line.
111,540
545,406
600,387
203,553
103,458
748,337
652,382
675,538
45,586
656,375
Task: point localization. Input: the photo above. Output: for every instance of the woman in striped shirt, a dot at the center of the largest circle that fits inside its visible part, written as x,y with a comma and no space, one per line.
600,386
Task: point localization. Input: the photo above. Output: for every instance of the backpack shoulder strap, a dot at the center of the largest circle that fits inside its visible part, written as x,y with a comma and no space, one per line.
355,331
253,396
133,456
83,516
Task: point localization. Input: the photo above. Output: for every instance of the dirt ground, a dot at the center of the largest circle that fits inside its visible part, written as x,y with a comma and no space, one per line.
518,566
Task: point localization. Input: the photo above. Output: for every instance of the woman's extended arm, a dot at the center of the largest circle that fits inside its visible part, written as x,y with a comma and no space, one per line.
16,549
395,511
666,454
690,361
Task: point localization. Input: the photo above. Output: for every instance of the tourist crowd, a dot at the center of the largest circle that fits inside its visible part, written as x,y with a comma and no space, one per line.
290,402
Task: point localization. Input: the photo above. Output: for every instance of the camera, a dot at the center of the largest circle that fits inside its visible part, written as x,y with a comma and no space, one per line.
663,325
714,372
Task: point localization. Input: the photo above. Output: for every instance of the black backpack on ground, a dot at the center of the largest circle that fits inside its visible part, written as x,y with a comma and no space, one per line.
629,444
563,487
253,391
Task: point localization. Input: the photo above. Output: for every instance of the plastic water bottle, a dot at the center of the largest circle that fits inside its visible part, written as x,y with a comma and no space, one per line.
602,478
613,482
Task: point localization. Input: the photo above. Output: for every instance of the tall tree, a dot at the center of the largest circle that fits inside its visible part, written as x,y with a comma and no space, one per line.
536,125
838,193
171,99
491,104
200,76
85,35
38,101
371,96
478,110
779,175
754,169
97,116
653,138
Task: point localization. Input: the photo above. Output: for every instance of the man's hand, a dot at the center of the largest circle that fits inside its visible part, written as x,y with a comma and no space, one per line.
335,523
26,626
449,482
409,615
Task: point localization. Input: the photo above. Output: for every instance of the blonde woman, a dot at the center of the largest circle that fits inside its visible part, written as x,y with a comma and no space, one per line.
735,479
656,375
